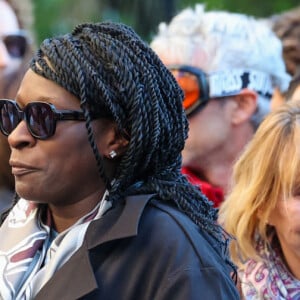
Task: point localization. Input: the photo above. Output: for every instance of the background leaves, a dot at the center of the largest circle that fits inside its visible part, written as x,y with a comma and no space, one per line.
60,16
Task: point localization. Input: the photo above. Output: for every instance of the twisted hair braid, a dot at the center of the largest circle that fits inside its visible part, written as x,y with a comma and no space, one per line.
116,75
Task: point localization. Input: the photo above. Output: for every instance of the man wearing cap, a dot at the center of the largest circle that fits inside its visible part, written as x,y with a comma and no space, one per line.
228,65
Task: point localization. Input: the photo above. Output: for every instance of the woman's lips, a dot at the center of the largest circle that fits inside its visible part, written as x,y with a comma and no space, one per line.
19,169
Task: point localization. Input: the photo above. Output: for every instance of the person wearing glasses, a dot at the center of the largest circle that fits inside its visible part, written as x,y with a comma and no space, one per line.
227,65
103,211
262,210
15,49
15,25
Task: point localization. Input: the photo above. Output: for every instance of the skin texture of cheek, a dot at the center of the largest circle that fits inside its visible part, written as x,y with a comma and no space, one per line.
59,167
285,219
208,132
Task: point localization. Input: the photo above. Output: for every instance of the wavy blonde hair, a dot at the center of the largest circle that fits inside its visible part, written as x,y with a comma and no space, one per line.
266,171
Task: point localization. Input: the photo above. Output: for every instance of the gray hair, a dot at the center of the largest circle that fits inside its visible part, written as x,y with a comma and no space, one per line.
219,41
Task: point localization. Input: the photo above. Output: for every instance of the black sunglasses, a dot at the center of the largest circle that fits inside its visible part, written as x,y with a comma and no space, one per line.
40,117
16,44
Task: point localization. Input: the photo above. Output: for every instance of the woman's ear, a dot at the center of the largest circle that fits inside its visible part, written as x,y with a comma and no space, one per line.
110,141
118,144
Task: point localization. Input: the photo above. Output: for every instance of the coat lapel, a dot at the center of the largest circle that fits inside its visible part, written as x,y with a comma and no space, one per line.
118,224
76,277
72,281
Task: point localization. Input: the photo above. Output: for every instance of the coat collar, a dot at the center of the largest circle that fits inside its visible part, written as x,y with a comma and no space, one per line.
119,222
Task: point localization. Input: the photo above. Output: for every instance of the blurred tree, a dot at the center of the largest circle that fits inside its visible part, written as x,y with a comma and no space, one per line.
256,8
56,16
142,15
59,16
149,13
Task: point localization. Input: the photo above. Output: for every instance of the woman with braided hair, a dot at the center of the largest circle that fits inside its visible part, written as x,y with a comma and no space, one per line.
103,212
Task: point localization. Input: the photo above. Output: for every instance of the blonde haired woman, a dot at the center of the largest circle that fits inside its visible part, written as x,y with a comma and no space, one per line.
263,209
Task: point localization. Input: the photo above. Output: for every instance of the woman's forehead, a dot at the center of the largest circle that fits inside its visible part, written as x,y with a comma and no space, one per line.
35,87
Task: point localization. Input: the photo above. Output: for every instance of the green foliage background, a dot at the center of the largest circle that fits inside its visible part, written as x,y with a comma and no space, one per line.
60,16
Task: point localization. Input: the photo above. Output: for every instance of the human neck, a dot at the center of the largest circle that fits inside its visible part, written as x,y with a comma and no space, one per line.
292,260
64,216
216,167
215,174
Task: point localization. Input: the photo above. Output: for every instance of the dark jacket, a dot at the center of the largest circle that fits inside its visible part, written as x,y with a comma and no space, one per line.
143,250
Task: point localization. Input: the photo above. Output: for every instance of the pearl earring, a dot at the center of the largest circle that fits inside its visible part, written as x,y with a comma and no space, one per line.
112,154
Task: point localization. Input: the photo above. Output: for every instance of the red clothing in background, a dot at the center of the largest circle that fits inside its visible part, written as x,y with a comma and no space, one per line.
213,193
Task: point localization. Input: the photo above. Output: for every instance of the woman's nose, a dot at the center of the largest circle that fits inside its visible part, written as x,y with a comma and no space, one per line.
20,137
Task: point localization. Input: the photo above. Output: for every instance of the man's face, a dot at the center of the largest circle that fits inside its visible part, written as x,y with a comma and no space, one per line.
8,25
209,127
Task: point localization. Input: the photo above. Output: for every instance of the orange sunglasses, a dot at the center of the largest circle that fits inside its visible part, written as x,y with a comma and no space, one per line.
199,87
194,84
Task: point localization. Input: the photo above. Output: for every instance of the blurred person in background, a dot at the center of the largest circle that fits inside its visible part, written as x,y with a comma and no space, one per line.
15,49
227,65
286,26
262,210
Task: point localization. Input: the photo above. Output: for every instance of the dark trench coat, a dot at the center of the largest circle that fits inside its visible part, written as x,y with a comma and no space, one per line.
143,250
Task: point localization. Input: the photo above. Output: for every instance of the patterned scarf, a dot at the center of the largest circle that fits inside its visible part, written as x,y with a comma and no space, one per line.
269,279
30,254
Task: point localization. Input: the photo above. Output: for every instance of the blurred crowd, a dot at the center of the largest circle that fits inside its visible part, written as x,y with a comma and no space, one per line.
239,78
17,44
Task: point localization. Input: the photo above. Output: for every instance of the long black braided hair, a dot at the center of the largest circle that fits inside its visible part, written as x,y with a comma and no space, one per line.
114,73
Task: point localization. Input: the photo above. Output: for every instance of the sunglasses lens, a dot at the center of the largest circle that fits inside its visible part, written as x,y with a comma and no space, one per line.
190,86
9,117
40,120
16,45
